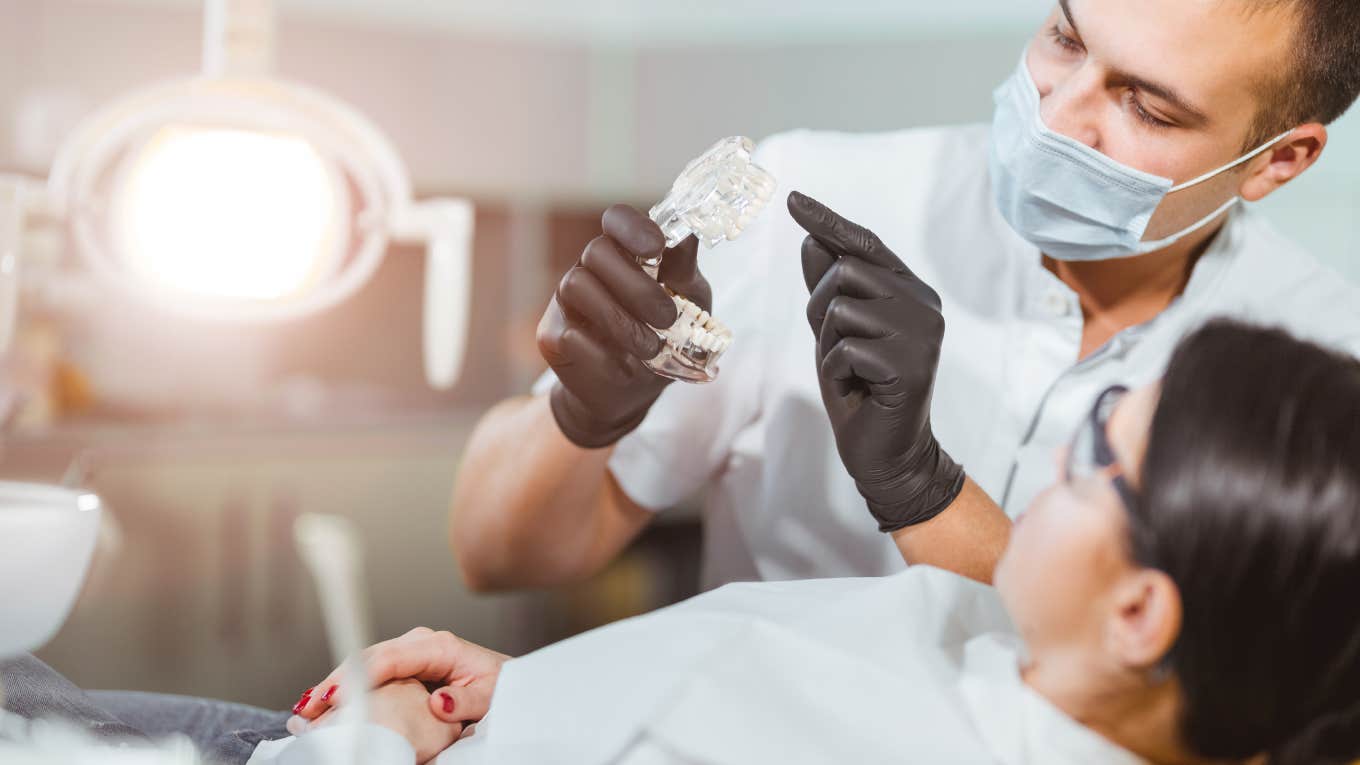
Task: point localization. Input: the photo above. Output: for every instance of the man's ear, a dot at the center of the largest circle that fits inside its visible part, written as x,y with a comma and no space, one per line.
1146,619
1284,162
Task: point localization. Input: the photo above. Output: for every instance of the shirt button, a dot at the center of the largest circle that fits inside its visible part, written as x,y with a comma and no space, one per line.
1056,304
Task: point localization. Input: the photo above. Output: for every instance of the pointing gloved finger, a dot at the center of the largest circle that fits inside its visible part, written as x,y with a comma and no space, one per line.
634,232
849,277
583,295
841,235
817,260
632,288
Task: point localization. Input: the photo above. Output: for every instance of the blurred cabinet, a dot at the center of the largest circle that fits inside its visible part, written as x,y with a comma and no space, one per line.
204,593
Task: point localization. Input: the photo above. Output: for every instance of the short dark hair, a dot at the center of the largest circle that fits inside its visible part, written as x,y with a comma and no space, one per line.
1324,78
1250,502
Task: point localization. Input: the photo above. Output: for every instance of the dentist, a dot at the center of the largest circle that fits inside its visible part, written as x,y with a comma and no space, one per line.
1066,248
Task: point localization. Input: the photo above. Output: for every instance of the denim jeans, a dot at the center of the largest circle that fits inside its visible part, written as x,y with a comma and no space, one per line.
223,732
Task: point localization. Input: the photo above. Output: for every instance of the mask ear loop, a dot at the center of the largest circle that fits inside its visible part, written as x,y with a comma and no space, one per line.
1244,158
1146,247
1160,244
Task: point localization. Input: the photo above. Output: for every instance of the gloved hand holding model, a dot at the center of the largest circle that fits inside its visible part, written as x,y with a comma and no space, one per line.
598,329
878,331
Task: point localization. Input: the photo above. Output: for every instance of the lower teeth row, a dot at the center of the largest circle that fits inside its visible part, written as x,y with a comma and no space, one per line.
695,328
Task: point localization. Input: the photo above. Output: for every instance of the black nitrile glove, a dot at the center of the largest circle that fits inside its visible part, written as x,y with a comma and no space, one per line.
596,334
878,332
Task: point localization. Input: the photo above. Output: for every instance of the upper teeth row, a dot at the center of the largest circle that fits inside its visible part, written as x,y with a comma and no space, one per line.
696,327
752,181
728,224
748,198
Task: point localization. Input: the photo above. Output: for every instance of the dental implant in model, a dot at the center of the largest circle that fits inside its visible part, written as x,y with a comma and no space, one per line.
715,198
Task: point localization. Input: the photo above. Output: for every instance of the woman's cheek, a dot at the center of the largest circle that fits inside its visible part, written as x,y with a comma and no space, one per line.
1036,517
1017,564
1035,538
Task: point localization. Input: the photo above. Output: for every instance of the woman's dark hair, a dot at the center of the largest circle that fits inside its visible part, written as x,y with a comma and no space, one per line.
1251,504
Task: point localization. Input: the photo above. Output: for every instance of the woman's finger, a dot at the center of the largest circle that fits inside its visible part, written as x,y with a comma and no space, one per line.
384,660
461,703
310,703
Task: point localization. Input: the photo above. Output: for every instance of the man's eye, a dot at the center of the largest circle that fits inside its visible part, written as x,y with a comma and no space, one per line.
1143,115
1064,41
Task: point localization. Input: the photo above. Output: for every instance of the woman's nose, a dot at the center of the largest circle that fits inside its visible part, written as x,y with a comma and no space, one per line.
1060,457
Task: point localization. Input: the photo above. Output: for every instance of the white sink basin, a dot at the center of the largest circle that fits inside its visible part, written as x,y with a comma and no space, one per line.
47,536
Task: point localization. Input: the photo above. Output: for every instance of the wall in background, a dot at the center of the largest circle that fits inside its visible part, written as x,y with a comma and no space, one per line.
529,119
649,23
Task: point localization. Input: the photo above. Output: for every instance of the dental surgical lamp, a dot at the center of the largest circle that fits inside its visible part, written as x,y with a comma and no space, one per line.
234,195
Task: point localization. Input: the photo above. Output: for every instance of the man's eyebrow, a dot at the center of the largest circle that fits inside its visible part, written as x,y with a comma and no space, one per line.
1195,116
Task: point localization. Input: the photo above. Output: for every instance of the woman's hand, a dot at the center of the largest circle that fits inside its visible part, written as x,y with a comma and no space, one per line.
464,675
404,706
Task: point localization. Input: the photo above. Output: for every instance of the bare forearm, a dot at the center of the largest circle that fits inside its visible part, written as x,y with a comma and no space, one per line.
532,509
968,538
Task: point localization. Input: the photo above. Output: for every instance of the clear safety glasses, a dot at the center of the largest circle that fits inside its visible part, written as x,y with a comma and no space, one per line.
1090,452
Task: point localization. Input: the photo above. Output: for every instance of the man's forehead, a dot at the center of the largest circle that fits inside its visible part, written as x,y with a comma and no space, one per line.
1210,51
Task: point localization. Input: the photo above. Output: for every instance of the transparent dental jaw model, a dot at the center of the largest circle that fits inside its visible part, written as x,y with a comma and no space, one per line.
715,198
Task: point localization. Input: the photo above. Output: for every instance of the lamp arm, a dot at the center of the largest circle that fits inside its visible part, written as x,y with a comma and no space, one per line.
239,37
19,196
446,226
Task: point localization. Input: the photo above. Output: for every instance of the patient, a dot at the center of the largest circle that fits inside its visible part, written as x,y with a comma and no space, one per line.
1185,593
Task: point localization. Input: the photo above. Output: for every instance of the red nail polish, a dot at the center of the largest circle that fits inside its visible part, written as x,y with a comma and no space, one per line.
302,702
329,693
447,701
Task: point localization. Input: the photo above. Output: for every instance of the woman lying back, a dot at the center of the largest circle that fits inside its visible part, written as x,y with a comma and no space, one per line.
1186,592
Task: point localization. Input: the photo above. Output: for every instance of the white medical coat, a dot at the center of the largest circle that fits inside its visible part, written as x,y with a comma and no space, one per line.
779,504
921,667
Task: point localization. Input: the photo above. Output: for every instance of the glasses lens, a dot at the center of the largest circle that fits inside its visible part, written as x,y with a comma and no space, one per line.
1081,454
1090,451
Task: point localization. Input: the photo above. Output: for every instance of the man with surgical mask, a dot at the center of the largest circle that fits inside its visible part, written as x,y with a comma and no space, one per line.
1066,248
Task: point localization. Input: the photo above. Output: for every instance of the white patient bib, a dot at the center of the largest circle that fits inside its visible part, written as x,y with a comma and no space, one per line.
918,667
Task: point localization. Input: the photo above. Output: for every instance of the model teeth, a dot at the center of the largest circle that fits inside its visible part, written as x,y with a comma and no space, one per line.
716,196
696,329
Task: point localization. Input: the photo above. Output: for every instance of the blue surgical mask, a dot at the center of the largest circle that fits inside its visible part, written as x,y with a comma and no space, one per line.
1069,200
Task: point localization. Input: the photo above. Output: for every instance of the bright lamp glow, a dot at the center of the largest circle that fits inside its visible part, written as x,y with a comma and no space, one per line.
228,213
